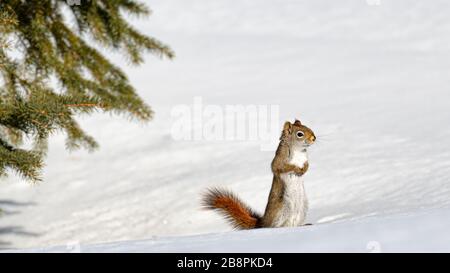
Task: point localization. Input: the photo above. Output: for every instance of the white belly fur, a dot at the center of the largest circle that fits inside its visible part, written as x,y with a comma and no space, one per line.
299,158
295,203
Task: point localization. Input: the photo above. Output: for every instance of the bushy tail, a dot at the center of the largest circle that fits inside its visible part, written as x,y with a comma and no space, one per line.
232,208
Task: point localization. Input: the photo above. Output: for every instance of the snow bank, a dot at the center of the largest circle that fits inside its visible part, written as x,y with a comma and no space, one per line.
425,231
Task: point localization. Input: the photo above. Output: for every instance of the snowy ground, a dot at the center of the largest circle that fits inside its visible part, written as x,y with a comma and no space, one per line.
419,232
371,80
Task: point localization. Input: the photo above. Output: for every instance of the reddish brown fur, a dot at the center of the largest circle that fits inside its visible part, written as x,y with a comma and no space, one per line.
234,210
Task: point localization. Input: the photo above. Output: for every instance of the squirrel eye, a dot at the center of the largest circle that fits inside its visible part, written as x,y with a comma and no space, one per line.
300,134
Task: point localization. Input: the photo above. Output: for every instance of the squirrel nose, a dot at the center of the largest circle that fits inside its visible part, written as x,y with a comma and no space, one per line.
313,138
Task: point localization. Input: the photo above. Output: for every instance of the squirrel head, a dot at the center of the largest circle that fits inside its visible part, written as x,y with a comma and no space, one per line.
297,135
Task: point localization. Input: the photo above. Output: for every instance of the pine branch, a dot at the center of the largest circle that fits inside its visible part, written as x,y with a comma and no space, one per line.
36,45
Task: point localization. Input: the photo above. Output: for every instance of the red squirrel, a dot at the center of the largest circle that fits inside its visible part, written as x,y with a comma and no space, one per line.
287,203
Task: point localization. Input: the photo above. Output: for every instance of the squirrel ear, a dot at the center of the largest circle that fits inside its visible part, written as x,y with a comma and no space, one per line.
297,122
287,126
287,129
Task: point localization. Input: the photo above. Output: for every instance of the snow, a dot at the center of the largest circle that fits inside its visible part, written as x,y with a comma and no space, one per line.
419,232
370,80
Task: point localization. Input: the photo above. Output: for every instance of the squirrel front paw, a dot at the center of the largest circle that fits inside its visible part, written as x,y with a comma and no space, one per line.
301,171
